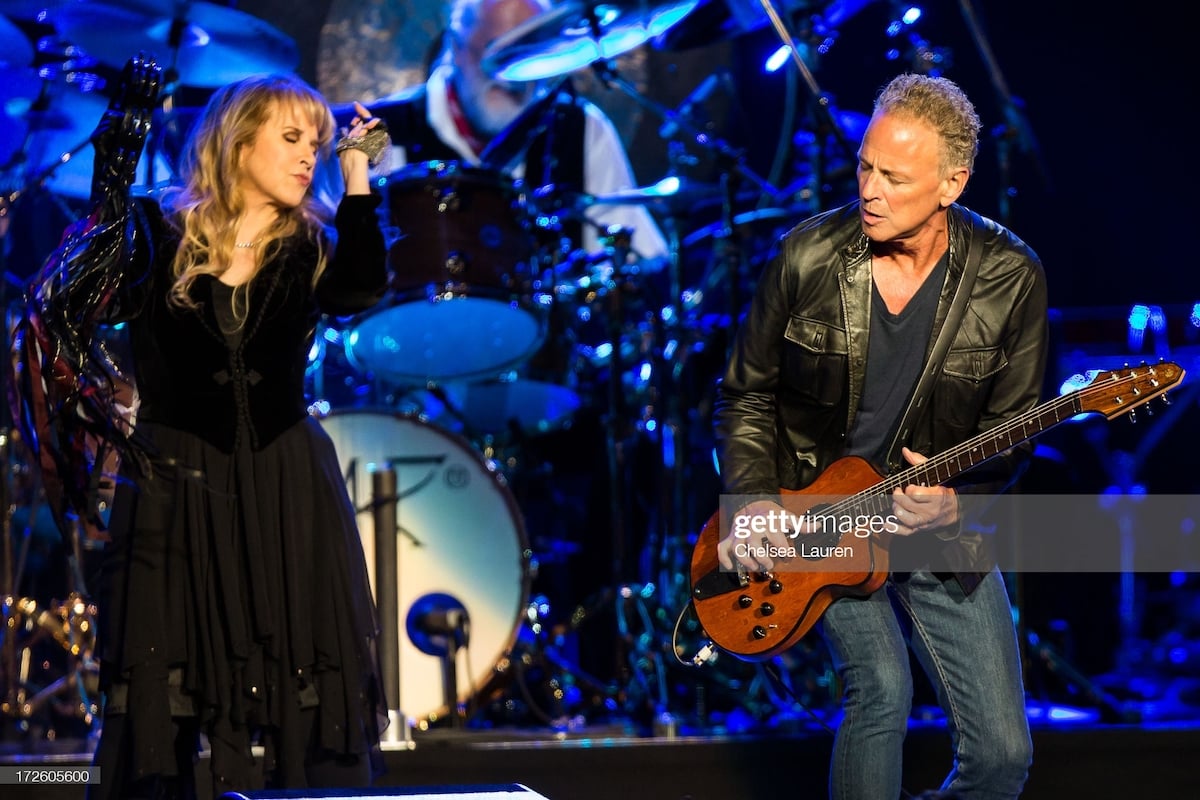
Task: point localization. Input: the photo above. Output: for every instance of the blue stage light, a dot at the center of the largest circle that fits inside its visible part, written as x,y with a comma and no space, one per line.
778,59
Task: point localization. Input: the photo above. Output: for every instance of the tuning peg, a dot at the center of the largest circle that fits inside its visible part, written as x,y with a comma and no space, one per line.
1149,410
1166,400
1133,416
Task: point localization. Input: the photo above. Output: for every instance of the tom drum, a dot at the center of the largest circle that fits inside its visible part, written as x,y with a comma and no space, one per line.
465,299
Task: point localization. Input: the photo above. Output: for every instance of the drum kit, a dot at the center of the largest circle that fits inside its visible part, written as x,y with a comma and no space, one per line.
495,344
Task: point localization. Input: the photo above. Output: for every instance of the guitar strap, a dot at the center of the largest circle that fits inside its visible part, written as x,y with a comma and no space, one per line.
933,366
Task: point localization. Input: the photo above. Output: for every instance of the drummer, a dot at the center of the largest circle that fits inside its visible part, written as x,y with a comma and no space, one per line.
460,110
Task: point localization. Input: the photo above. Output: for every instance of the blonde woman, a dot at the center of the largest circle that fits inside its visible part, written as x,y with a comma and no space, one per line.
236,606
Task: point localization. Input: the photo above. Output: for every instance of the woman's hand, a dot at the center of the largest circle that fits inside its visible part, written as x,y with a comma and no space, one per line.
354,149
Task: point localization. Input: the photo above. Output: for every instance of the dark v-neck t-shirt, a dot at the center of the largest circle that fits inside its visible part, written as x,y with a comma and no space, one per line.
895,356
222,295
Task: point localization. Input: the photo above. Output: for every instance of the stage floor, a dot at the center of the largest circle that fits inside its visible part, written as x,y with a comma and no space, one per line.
1073,759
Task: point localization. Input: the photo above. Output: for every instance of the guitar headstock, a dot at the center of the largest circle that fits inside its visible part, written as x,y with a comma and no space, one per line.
1119,391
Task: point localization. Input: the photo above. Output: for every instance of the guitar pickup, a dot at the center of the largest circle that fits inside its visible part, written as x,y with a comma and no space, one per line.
720,582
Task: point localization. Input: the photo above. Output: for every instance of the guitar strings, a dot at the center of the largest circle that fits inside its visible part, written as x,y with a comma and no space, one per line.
883,490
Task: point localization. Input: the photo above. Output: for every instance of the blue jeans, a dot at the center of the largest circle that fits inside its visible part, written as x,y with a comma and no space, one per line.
968,647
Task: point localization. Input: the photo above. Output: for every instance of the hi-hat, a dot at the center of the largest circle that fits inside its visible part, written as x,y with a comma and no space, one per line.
15,48
577,33
207,44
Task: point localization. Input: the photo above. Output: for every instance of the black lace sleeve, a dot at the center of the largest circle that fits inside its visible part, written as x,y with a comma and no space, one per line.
65,391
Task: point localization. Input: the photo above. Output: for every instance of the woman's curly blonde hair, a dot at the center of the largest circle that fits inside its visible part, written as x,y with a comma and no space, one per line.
208,203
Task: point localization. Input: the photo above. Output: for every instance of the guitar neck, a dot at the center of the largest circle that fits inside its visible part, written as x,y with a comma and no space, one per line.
958,459
989,444
1112,394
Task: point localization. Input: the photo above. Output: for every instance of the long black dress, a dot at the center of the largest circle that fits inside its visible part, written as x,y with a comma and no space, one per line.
236,601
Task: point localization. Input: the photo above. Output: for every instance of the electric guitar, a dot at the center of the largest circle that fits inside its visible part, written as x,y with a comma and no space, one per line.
755,616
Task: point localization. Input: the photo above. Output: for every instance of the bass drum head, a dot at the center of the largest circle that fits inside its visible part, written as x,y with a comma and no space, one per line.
461,546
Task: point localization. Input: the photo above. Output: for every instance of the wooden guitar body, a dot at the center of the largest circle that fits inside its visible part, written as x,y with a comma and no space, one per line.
773,611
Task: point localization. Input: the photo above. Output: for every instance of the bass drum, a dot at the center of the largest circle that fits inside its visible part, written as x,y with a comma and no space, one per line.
461,547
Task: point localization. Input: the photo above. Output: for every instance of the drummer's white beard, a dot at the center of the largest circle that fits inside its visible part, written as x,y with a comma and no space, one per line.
491,112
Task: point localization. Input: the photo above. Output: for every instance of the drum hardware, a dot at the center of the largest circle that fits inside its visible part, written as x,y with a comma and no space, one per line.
49,143
68,628
503,149
47,649
656,348
52,111
384,497
1016,128
461,545
546,685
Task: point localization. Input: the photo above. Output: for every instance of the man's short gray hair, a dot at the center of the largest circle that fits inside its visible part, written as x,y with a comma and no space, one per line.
941,103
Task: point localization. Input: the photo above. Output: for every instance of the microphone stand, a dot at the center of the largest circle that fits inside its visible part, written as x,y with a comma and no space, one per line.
384,499
1016,126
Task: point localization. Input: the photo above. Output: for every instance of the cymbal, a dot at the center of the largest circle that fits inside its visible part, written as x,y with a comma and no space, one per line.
775,216
670,193
47,123
717,20
577,33
15,48
207,44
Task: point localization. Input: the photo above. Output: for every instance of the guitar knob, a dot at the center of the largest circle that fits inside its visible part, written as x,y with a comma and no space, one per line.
767,609
775,586
745,601
759,632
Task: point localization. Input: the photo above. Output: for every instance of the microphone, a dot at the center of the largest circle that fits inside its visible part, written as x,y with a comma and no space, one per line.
697,96
444,620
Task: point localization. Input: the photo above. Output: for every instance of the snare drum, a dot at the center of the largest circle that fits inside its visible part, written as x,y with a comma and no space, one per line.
465,301
461,544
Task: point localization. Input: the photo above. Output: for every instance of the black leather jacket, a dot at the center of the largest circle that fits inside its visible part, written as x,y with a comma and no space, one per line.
792,386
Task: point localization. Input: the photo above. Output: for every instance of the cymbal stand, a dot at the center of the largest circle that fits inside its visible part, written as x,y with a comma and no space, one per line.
732,160
824,102
618,246
1016,126
674,422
